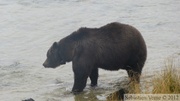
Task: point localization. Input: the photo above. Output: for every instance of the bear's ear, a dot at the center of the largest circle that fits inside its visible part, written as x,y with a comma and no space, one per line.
55,44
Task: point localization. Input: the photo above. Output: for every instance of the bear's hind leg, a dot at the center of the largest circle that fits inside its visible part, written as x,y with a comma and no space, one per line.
94,77
134,72
134,75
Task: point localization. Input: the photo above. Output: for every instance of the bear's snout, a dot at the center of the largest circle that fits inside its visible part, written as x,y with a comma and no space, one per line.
48,64
45,64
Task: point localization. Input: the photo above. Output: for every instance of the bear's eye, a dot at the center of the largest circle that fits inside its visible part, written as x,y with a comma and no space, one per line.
49,53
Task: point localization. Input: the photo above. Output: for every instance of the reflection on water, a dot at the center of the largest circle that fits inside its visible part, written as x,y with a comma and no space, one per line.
88,96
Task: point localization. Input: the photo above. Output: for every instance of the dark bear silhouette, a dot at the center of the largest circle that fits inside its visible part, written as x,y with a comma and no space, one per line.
111,47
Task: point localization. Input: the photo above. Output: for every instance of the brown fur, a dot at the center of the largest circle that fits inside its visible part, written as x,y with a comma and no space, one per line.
112,47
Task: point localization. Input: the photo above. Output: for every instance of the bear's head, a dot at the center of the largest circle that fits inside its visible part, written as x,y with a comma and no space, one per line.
54,57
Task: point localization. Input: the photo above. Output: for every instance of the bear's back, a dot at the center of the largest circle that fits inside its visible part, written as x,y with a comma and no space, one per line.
110,31
111,35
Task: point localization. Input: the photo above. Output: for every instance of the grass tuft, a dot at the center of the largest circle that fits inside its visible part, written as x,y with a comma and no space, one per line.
166,82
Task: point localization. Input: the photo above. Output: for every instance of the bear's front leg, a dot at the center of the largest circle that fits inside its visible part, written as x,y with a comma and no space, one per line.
80,78
79,82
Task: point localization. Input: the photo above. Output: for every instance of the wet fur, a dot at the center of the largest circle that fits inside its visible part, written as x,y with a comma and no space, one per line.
111,47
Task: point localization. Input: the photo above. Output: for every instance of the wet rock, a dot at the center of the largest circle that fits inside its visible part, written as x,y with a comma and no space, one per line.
30,99
118,95
130,88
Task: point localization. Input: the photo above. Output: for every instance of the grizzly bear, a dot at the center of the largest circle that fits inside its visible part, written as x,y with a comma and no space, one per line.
111,47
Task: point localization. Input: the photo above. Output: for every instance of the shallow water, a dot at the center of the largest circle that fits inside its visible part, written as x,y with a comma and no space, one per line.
29,27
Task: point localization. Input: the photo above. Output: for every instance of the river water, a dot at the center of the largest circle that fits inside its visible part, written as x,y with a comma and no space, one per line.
29,27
